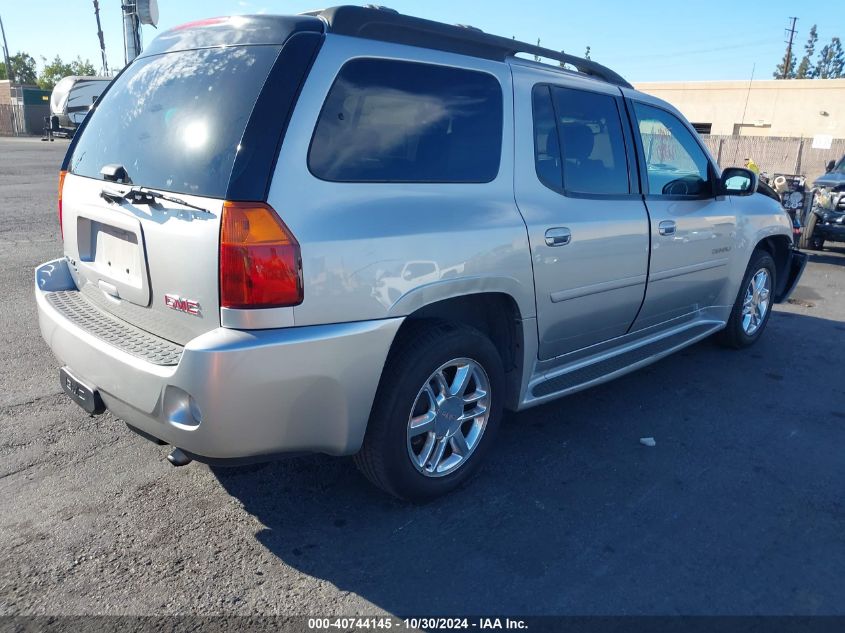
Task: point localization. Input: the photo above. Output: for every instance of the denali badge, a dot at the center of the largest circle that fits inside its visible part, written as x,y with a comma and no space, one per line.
187,306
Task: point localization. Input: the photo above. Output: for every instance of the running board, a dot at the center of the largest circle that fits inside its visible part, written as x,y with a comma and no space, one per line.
583,376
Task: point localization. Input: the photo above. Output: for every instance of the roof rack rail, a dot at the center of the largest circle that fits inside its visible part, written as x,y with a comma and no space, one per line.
381,23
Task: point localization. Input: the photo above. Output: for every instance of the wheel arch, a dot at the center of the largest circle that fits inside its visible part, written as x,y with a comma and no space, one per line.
494,314
780,248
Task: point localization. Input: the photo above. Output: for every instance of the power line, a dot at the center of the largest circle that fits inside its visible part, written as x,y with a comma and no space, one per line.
744,110
716,49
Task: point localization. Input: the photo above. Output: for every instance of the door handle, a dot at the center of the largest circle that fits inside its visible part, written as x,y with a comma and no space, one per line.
667,227
560,236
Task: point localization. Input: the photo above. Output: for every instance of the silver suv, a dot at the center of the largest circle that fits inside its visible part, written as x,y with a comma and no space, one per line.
356,232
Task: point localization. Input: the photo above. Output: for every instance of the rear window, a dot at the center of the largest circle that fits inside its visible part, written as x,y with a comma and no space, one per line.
174,121
394,121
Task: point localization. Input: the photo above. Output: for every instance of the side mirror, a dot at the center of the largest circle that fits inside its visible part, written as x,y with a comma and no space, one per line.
737,181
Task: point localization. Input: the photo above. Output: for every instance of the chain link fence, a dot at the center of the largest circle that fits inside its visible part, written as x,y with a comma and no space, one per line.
775,154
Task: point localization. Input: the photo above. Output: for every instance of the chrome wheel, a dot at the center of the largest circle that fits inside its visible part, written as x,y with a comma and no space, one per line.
756,303
449,417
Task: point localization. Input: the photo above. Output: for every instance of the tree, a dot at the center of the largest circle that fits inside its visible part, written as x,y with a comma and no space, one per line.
23,68
831,64
56,70
838,59
805,69
786,69
83,68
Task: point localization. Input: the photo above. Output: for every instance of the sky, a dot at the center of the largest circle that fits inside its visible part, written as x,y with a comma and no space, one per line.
649,40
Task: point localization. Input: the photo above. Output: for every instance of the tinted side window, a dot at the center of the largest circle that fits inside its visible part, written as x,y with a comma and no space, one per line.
578,141
546,147
395,121
592,142
676,163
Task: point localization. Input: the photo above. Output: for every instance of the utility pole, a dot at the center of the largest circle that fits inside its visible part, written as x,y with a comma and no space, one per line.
136,13
9,74
100,37
788,60
131,32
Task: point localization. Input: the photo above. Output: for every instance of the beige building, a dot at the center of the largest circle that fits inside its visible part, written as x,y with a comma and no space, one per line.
807,108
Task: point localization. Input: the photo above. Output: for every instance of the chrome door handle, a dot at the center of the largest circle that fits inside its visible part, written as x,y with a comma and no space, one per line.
667,227
560,236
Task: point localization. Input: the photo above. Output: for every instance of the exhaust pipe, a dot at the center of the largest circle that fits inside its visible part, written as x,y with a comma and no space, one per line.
177,457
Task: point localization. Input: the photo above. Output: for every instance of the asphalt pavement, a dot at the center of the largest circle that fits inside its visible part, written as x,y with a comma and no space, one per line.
738,509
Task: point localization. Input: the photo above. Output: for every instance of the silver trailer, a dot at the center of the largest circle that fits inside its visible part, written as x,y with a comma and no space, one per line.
71,100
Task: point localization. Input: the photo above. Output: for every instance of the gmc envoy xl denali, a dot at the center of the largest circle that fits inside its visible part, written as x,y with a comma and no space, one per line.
356,232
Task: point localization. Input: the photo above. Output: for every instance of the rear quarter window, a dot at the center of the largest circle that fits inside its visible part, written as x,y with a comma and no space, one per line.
396,121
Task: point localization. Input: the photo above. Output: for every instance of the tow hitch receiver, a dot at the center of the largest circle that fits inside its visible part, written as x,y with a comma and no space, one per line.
85,396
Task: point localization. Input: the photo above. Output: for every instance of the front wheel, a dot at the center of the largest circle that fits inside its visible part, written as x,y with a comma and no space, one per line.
807,238
435,413
753,305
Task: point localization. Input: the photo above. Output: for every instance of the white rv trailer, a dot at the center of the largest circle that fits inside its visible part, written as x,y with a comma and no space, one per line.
71,100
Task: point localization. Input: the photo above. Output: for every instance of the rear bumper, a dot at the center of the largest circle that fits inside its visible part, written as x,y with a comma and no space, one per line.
830,232
233,393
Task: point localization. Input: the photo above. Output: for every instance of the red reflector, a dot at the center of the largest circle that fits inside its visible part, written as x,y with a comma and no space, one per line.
62,175
260,263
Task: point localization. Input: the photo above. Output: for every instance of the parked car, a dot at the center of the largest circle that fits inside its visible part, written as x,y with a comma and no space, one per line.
792,206
825,221
71,100
356,232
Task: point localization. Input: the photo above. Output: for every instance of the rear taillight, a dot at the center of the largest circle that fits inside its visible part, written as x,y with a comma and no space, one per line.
260,262
62,175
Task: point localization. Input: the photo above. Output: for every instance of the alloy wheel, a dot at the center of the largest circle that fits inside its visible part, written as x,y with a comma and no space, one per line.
756,303
449,417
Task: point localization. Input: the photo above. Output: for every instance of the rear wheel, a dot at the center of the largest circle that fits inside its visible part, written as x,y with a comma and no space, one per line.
435,413
753,305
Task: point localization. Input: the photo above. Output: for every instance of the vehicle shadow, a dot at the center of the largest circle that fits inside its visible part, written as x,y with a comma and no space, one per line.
736,510
832,255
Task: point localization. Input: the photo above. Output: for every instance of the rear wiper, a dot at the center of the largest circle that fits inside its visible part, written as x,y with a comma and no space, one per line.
137,195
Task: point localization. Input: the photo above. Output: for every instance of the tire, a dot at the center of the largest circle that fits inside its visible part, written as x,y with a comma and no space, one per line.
739,333
807,239
393,449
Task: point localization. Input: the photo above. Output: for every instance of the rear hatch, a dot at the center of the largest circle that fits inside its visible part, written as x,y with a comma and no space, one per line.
185,121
